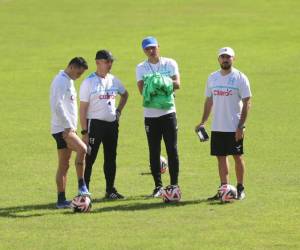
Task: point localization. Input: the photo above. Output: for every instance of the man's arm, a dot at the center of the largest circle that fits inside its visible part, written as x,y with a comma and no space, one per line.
206,112
176,81
140,85
245,109
122,101
83,119
239,134
83,114
59,109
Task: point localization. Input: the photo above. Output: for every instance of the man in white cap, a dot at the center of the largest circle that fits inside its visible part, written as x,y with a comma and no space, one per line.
228,97
160,122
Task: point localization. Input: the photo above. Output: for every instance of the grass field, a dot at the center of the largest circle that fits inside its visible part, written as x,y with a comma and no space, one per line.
38,38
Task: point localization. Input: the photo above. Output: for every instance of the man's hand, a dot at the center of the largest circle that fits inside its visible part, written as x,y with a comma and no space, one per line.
118,114
198,127
201,132
239,134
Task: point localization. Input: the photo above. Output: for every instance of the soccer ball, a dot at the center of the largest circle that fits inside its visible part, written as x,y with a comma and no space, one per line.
171,193
227,193
163,165
81,204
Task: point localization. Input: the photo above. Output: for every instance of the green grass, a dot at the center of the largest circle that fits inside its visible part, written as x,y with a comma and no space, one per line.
38,38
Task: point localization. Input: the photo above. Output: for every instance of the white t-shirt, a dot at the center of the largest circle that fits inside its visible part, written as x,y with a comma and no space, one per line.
101,94
63,103
227,92
165,66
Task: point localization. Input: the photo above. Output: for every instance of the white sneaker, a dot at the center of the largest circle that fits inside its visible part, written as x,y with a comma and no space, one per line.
157,192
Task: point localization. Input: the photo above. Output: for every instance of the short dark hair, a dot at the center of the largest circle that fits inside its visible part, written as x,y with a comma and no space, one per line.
79,62
104,54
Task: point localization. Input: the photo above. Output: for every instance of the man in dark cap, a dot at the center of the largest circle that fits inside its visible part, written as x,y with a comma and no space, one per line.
99,118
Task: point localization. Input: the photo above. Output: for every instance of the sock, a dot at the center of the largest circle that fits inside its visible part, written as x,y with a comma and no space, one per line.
61,196
81,183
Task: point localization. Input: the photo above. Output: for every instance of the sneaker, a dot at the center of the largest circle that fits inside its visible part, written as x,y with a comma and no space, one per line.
84,191
114,195
216,197
241,195
63,204
157,192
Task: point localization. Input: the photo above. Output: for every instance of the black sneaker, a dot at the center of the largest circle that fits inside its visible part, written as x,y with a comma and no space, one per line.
157,192
216,197
241,194
113,195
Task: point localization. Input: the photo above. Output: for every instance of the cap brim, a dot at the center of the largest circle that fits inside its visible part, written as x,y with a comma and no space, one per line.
150,45
228,54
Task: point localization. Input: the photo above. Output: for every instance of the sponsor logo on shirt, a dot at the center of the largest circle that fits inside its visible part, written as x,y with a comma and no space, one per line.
107,96
219,92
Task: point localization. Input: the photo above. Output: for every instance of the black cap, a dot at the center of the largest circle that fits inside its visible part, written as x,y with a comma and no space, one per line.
104,54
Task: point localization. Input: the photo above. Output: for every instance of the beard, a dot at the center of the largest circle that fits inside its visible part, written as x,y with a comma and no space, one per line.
226,65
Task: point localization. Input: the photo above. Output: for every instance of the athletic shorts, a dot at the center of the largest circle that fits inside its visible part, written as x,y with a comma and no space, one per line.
61,143
224,143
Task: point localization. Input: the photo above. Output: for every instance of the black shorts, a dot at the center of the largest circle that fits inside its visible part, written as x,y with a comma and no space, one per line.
61,143
224,143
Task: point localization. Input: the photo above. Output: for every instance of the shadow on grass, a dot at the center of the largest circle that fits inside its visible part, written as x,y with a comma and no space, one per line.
128,198
146,206
29,211
16,212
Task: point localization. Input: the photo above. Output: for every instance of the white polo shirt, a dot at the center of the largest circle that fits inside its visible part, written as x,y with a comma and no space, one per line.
101,94
63,103
227,92
165,66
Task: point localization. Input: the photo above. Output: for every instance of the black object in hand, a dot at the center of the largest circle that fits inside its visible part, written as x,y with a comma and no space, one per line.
203,136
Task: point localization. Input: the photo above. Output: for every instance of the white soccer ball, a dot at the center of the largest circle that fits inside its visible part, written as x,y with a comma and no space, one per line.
171,193
81,204
227,193
163,164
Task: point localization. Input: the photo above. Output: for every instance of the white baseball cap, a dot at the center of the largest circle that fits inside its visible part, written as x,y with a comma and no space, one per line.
226,51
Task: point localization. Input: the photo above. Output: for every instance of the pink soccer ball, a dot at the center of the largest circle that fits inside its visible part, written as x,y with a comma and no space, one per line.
81,204
171,193
227,193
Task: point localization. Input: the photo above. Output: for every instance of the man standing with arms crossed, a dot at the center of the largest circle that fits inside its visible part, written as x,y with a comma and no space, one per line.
228,96
99,118
160,123
63,127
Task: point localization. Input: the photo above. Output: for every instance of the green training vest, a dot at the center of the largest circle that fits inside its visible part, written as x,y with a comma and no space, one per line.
158,91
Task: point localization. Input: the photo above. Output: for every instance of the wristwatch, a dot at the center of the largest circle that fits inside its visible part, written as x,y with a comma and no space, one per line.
84,132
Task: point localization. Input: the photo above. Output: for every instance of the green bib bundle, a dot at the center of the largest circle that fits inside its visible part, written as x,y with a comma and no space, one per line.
158,91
